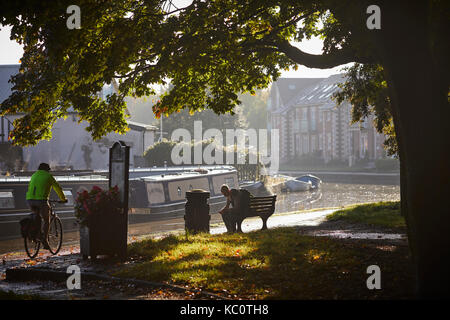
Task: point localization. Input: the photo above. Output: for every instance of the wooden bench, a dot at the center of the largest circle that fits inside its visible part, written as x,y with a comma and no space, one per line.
262,207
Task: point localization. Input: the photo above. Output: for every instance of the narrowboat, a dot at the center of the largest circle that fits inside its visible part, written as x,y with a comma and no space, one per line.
163,196
151,197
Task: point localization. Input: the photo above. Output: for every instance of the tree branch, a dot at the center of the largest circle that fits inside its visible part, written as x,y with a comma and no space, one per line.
320,61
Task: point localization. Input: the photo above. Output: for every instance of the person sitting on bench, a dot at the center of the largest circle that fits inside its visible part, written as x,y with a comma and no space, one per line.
230,215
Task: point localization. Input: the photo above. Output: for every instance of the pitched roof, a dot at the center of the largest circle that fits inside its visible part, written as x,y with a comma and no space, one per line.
140,126
289,87
318,93
6,71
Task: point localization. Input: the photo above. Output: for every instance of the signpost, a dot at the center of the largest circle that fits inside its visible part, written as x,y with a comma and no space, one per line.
119,164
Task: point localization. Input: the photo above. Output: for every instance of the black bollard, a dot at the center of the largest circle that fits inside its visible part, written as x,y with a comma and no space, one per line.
197,211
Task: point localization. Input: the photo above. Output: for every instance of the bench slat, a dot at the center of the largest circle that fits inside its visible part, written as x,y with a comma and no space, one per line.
261,203
268,204
263,198
265,201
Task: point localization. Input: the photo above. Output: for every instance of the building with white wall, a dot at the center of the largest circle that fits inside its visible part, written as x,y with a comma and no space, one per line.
71,145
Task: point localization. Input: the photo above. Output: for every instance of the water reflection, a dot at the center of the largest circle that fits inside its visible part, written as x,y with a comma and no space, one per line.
336,195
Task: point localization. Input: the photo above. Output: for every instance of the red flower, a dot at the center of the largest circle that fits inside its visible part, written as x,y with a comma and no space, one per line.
86,207
96,201
97,189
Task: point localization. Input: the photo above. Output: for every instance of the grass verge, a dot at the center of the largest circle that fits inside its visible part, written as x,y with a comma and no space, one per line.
272,264
381,214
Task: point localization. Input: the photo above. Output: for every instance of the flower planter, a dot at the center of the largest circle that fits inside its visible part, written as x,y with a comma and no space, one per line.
103,223
104,234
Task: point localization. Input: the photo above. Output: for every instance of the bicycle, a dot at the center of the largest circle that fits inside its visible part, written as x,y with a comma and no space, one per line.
55,234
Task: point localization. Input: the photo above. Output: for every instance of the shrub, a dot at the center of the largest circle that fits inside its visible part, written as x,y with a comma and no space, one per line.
158,153
161,152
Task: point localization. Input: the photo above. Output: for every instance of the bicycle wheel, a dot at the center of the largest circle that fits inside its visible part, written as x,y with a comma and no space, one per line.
55,235
31,246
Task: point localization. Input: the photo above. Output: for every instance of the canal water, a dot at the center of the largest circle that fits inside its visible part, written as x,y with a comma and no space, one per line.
336,195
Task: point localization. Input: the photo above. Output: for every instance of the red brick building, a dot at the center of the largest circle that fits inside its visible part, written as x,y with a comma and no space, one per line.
311,124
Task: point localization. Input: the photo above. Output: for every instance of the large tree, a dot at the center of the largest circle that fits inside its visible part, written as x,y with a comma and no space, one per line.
212,50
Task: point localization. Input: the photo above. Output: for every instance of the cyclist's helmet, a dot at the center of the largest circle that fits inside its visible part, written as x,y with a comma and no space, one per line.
44,166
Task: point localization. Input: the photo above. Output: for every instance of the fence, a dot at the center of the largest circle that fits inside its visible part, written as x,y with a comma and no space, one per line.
248,172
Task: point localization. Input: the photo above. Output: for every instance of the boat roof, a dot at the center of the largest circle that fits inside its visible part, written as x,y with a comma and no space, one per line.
183,175
175,169
156,175
57,178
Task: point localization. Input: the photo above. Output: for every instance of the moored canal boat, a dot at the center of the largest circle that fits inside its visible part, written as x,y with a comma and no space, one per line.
152,197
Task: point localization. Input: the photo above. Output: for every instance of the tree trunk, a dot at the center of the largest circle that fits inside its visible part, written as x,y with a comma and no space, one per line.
418,79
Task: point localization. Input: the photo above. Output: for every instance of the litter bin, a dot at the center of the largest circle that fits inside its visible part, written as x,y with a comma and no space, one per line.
197,211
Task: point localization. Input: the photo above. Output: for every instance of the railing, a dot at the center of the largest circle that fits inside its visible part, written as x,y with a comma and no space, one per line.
248,172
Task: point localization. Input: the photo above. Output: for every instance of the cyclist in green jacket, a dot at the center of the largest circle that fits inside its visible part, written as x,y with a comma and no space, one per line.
38,193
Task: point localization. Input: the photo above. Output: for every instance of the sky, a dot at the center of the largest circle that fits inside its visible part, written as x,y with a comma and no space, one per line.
11,52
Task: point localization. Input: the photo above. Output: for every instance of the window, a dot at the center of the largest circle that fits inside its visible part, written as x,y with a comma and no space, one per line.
305,144
313,119
304,114
69,197
6,199
230,182
313,143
